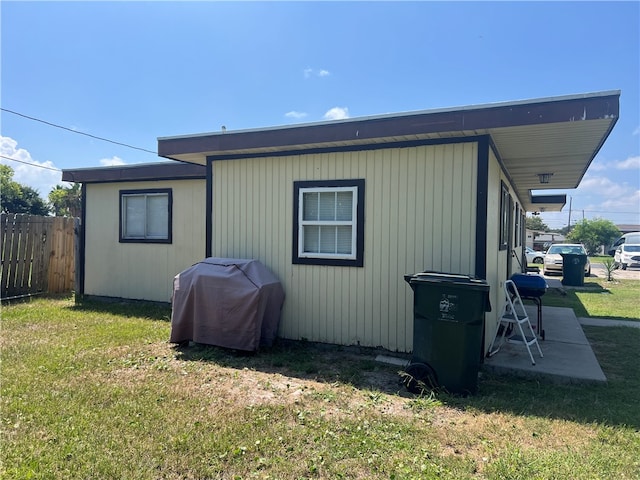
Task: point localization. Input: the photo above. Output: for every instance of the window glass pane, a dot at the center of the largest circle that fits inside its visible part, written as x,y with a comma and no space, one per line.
157,216
326,222
310,205
327,239
344,206
134,213
327,206
344,239
311,238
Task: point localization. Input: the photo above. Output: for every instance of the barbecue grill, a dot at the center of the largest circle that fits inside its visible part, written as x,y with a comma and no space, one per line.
532,287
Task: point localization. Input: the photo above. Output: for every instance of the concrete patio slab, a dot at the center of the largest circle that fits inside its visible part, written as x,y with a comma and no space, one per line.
568,356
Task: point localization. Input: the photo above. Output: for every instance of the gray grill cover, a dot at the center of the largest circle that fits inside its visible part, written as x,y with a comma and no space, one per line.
228,302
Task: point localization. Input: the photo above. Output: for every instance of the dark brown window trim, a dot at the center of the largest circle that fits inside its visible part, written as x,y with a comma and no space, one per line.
505,213
169,238
359,260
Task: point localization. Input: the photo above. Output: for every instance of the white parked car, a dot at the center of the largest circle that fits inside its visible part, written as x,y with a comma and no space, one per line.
631,237
533,256
627,255
553,258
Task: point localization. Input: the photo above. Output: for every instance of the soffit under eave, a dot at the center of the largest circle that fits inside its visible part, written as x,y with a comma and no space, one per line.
564,150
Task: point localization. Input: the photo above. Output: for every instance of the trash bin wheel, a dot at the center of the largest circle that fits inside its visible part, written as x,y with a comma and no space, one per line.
420,377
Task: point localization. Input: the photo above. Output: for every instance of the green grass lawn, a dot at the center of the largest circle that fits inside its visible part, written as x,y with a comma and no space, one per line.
619,299
95,391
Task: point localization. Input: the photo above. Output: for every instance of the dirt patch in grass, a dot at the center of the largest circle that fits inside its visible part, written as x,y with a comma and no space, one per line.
219,389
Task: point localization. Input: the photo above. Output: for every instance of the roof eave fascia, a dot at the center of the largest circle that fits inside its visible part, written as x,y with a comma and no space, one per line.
534,112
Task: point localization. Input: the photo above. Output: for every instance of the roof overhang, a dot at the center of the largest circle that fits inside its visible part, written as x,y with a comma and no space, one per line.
557,137
547,203
136,173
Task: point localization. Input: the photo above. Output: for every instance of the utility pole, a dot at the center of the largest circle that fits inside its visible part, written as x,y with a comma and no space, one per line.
569,226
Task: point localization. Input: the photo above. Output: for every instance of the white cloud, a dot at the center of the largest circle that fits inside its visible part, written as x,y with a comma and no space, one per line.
623,203
613,198
294,114
636,131
337,113
604,197
35,176
311,72
630,163
601,186
113,161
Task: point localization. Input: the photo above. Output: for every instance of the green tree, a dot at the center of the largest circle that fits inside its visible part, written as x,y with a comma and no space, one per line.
65,201
17,198
593,234
536,223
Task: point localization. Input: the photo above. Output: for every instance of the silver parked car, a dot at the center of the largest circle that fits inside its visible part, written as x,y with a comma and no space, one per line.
553,258
533,256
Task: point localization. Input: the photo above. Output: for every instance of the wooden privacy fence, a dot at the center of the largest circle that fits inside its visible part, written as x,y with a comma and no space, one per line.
38,255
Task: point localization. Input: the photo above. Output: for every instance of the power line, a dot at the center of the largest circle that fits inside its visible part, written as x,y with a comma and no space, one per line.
604,211
32,164
77,131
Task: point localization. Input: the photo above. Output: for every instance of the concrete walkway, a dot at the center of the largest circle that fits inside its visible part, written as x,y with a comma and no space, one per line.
568,356
607,322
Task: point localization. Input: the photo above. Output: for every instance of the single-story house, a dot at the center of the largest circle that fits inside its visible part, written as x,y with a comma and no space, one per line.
137,230
341,210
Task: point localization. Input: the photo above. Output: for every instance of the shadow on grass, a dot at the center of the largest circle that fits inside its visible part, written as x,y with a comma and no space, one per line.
125,308
325,363
614,403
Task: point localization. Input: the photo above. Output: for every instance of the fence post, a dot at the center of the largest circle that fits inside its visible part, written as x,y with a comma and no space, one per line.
77,235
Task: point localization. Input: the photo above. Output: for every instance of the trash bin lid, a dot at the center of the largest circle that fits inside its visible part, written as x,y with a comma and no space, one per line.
441,277
454,282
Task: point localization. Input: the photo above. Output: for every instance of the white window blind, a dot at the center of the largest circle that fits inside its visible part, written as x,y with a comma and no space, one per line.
327,223
145,216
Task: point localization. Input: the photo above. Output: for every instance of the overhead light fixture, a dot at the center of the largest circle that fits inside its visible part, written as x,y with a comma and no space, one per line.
544,177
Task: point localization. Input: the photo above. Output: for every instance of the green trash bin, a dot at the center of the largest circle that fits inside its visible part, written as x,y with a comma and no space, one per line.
448,331
573,269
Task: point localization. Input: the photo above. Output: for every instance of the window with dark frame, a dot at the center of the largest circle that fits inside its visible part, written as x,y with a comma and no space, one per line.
146,216
516,231
329,222
505,214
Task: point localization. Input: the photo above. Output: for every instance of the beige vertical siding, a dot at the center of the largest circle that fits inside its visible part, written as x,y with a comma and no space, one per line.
497,260
141,271
419,215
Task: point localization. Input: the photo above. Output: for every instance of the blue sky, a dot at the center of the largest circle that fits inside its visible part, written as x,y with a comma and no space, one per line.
135,71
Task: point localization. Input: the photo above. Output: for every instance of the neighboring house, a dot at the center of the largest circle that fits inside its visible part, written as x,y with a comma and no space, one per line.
541,241
341,210
628,228
138,228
